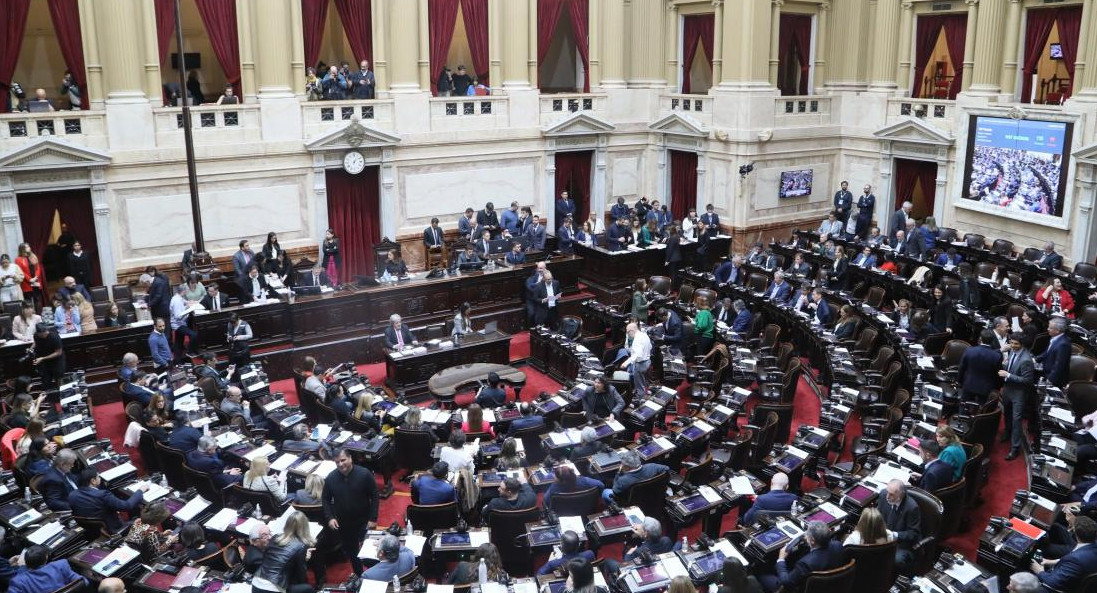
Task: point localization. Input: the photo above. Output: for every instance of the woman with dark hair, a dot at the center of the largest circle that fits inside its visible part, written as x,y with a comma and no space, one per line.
462,321
272,253
11,280
193,538
332,259
35,429
941,310
195,290
116,317
569,481
456,454
158,408
39,456
1030,324
581,577
847,323
466,572
509,457
147,533
736,579
640,300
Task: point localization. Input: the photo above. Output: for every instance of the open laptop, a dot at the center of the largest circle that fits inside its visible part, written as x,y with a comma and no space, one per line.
38,106
491,327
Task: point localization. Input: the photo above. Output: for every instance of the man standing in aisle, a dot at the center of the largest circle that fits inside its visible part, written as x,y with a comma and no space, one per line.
866,204
843,204
639,359
350,505
899,219
565,207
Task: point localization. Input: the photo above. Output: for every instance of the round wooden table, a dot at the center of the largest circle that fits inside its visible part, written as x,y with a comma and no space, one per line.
445,384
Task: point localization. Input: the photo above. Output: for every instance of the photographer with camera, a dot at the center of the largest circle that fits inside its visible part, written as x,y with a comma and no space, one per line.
47,354
70,89
334,85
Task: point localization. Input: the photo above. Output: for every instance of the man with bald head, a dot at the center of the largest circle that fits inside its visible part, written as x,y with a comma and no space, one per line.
903,519
112,585
547,294
777,500
532,284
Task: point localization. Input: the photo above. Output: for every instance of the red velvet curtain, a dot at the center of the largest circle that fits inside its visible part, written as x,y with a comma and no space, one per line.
683,183
13,22
1037,29
219,18
578,10
925,37
697,29
573,176
314,14
1069,21
354,212
906,180
357,17
442,17
475,13
548,13
36,213
165,27
66,23
908,176
927,178
955,28
795,33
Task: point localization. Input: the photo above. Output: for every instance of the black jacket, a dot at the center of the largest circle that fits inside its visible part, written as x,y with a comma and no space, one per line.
55,488
905,521
351,499
159,297
816,560
526,499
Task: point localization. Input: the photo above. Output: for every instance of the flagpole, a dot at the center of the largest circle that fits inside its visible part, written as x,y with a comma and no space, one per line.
188,138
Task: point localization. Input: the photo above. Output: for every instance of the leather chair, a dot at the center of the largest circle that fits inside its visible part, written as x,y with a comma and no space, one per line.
934,344
571,420
660,285
952,498
121,292
875,296
836,580
784,413
975,240
985,269
953,353
508,529
973,475
706,293
413,450
1082,396
650,495
264,500
757,282
429,518
146,445
865,344
531,442
135,411
74,587
172,461
93,528
306,399
576,504
932,510
762,443
214,561
1032,254
99,294
881,557
571,326
738,451
685,294
1086,270
1002,247
1087,317
1081,368
204,484
324,413
984,428
946,234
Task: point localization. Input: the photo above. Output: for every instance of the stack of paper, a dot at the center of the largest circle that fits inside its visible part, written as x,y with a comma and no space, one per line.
192,508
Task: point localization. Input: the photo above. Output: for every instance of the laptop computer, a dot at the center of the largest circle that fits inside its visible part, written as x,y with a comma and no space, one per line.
38,106
491,327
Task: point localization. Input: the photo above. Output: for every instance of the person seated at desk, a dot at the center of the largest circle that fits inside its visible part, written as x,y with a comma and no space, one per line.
528,419
730,272
870,530
312,493
233,404
193,539
258,540
649,234
949,258
394,265
821,307
204,459
299,441
397,335
259,479
147,534
831,227
865,259
536,234
846,325
482,246
902,313
743,317
492,396
433,487
468,256
1056,300
632,471
462,321
777,501
672,328
515,256
457,454
58,481
936,474
509,458
724,312
41,576
336,399
1050,260
778,290
39,456
513,496
91,502
433,236
24,407
875,238
214,300
1069,572
465,573
602,401
316,277
568,481
798,267
889,264
824,554
413,421
184,437
587,235
649,532
254,285
570,548
475,424
903,519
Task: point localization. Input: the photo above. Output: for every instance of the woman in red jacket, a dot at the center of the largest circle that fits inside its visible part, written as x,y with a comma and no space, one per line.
1054,299
34,276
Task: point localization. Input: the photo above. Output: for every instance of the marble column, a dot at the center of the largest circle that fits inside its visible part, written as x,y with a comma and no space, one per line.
645,33
594,45
1083,46
297,45
387,176
906,29
702,167
670,48
424,45
151,52
819,71
613,36
549,187
843,67
1088,75
1083,247
775,39
969,43
987,71
515,17
495,41
885,55
96,90
275,41
9,214
380,51
104,231
746,49
245,28
598,180
404,27
531,40
1008,81
717,42
320,193
121,31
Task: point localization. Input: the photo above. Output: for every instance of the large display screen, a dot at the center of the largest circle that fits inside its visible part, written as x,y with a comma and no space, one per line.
795,184
1018,165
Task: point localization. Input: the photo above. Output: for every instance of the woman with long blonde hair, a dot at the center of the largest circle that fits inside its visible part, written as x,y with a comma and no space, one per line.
870,529
285,559
87,312
258,478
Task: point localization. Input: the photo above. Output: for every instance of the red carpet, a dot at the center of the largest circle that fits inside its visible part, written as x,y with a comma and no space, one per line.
1008,477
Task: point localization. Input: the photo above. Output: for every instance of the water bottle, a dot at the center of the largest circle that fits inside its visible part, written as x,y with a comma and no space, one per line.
164,481
685,544
482,572
396,583
26,495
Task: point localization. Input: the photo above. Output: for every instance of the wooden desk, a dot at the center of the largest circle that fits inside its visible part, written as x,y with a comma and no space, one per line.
610,274
411,373
444,384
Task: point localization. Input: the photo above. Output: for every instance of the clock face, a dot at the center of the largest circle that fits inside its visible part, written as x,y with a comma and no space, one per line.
354,162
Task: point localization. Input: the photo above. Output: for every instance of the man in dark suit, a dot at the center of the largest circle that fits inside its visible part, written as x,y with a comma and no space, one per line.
205,459
743,317
865,259
730,272
487,219
214,300
546,294
492,395
316,277
515,256
536,233
513,496
434,236
1050,260
724,312
822,308
92,502
482,246
843,204
242,259
865,206
565,207
71,287
570,548
899,219
824,554
914,244
159,295
528,419
138,387
979,367
711,220
184,437
936,474
466,225
618,236
779,290
620,210
904,519
1068,573
777,500
632,471
1018,377
1056,359
672,328
253,284
397,335
433,488
58,481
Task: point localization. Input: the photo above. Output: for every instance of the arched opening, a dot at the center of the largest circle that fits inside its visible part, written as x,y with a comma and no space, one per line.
562,46
939,56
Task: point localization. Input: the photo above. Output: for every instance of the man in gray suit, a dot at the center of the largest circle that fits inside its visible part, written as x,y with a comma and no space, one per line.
899,219
1017,377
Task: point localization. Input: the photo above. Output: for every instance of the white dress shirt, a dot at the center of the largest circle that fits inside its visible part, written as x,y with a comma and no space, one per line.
640,351
178,304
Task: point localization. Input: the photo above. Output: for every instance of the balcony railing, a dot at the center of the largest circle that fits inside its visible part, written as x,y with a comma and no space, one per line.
211,124
321,117
699,107
86,128
935,112
451,114
557,107
802,110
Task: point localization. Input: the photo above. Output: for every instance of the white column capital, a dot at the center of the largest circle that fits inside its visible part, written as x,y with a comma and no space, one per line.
824,7
908,5
971,3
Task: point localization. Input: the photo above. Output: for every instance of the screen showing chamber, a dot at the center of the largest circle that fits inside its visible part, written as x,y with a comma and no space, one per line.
795,184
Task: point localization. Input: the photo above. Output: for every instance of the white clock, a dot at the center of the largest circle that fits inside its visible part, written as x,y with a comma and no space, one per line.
354,162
